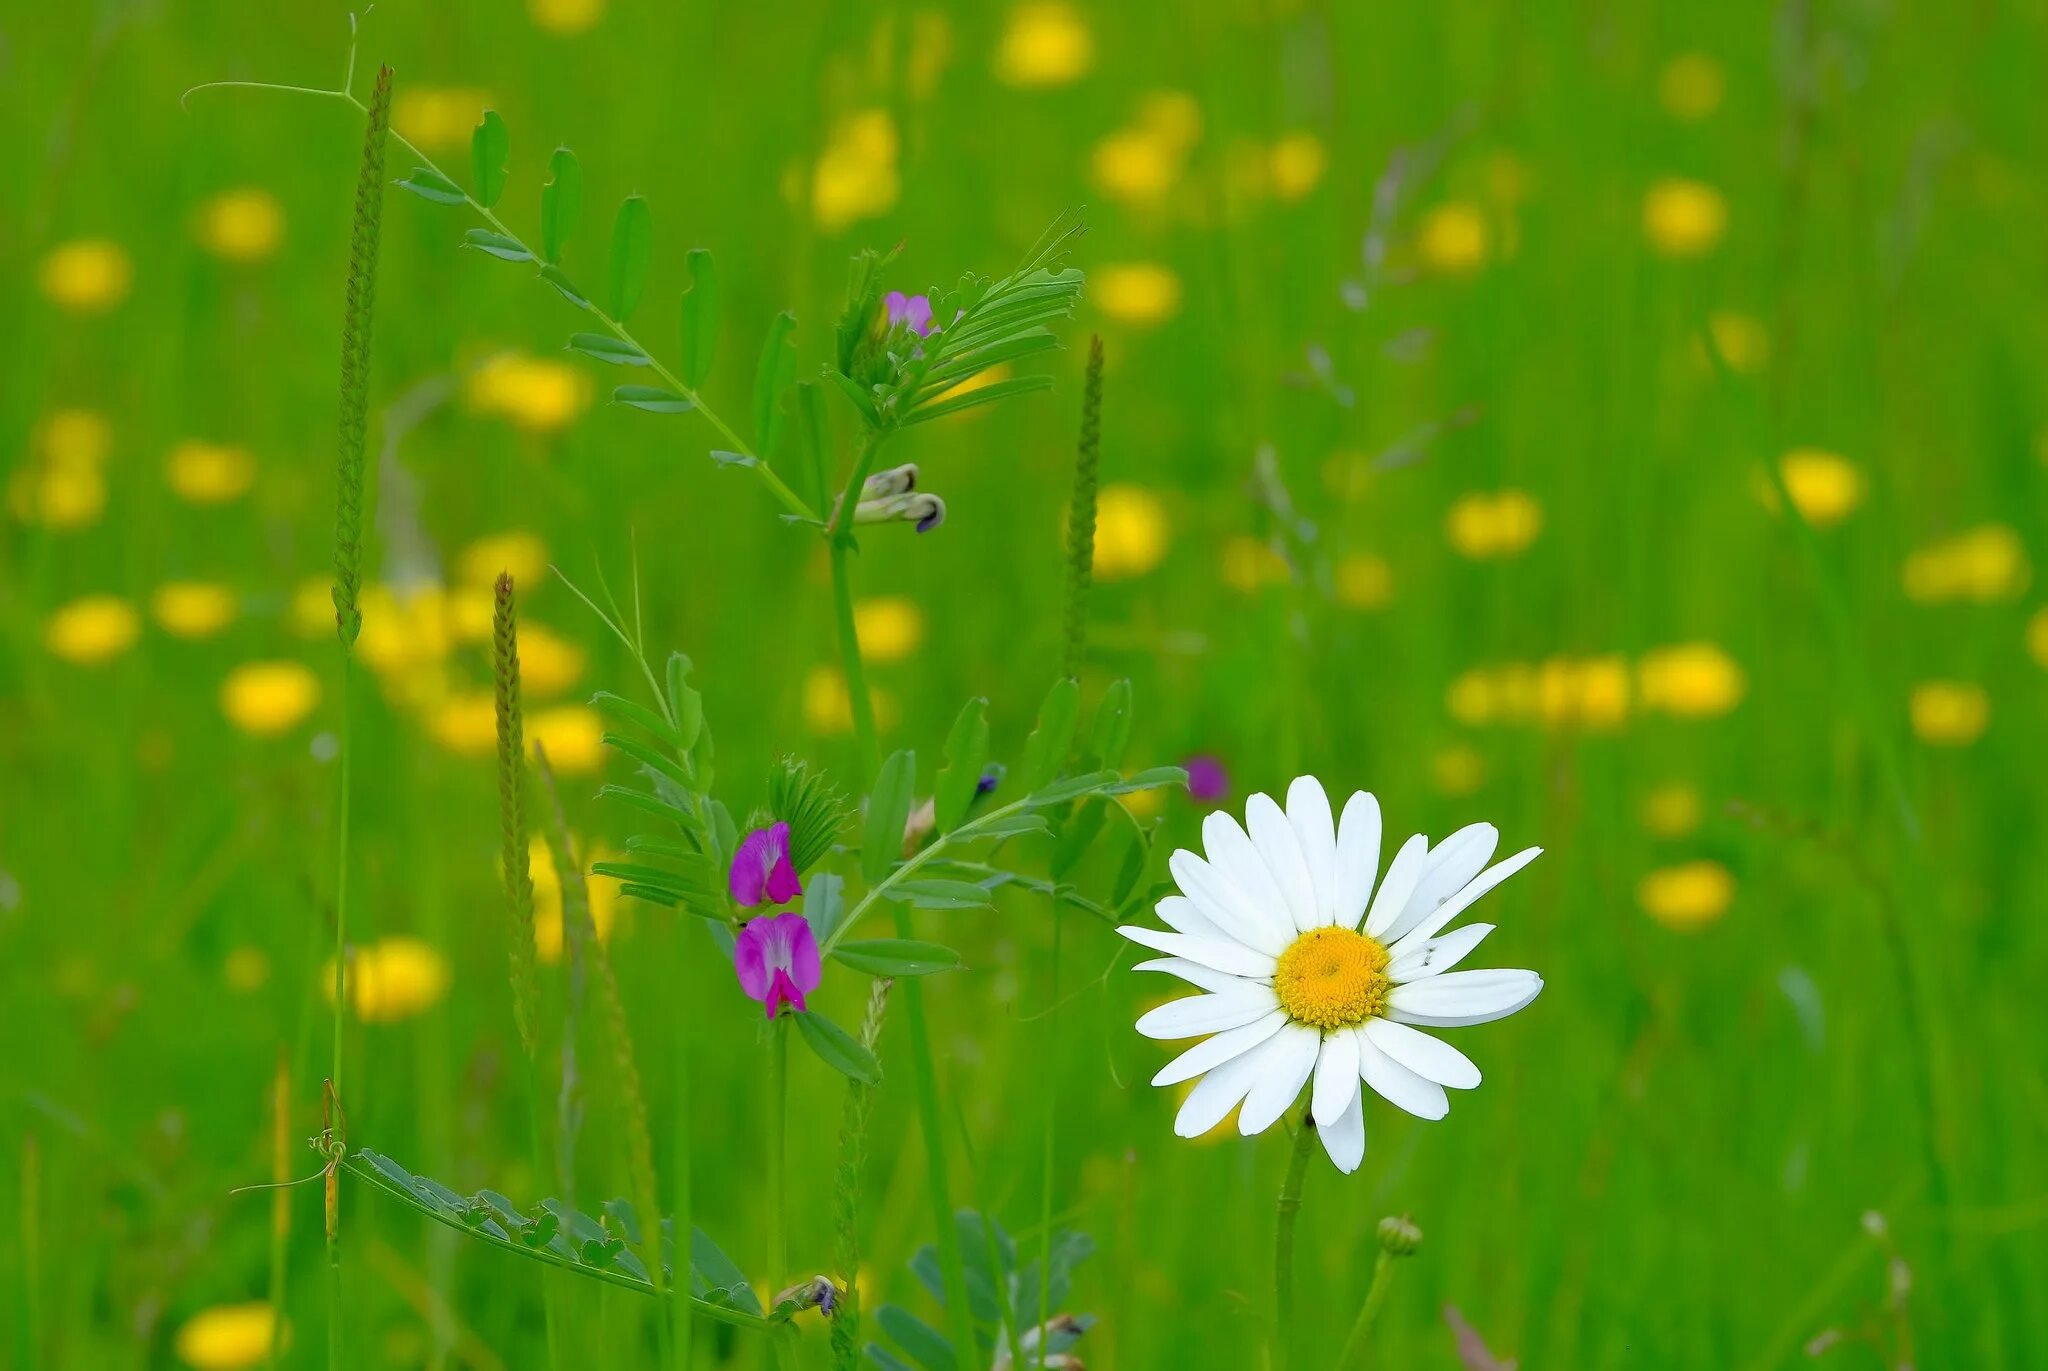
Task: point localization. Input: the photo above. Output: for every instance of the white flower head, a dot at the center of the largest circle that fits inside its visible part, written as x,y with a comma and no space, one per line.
1311,978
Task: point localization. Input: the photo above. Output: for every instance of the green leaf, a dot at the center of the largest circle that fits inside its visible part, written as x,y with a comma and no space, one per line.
700,318
632,254
988,394
1074,787
559,279
824,904
896,957
940,894
432,185
835,1047
1152,778
606,348
1112,725
881,846
686,703
1004,826
498,245
771,378
926,1346
653,399
489,146
561,203
966,754
1045,752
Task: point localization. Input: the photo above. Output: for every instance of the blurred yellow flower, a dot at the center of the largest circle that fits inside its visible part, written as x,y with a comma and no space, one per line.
437,118
1045,43
1474,698
1295,165
1688,896
466,723
87,275
1684,218
828,708
57,496
469,611
548,663
2037,636
192,609
1691,86
1459,770
1363,581
209,473
1949,713
856,177
1597,693
1742,340
245,224
1825,486
227,1337
1690,681
573,736
1136,292
1983,564
391,979
1251,564
74,437
92,629
1135,166
1130,532
1173,116
517,551
1454,239
547,900
1144,804
889,627
400,634
1502,523
1672,810
267,698
565,17
538,394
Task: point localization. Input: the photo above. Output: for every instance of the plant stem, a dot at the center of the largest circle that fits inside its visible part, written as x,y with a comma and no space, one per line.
550,1314
778,1120
1052,1048
681,1308
861,703
334,1349
1354,1356
1287,1211
281,1154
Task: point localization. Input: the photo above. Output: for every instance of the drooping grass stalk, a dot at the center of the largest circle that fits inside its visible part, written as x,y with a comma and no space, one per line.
639,1137
359,311
1287,1212
516,857
281,1153
853,1129
1081,515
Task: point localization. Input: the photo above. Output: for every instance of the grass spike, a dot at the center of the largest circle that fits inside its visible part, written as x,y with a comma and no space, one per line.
853,1130
357,314
512,808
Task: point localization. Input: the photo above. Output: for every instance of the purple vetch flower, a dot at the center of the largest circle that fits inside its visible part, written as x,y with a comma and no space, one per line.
1207,780
913,312
761,869
777,960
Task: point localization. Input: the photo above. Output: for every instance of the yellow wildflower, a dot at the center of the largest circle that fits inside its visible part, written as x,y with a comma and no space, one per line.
227,1337
241,225
1045,43
1684,218
1485,526
547,900
1688,896
267,698
1474,698
1454,239
2037,636
1295,165
1742,340
538,394
192,609
209,473
391,979
1825,486
889,627
466,723
565,17
87,275
1691,86
1363,581
1983,564
855,177
437,118
245,969
517,551
1459,771
1130,532
1949,713
57,495
92,629
1250,564
548,663
1139,293
573,736
1690,681
1672,810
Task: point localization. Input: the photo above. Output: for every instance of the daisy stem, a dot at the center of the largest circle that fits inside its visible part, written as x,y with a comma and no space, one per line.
1353,1357
1288,1210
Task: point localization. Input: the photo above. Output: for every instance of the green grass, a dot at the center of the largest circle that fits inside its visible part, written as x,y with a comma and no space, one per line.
1671,1157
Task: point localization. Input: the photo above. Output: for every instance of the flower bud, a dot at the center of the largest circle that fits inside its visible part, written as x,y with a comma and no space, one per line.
1399,1237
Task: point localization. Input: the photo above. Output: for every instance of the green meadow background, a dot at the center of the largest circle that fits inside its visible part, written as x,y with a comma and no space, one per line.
1482,524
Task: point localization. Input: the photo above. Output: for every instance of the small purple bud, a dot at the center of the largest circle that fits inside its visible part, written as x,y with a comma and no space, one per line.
1207,780
991,777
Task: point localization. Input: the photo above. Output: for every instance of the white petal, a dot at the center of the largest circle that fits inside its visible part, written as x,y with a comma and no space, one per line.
1465,897
1344,1140
1358,856
1463,997
1402,874
1227,906
1398,1085
1288,1059
1217,1093
1336,1078
1281,850
1183,915
1231,855
1308,812
1220,953
1453,862
1433,1059
1434,955
1195,1015
1206,977
1213,1052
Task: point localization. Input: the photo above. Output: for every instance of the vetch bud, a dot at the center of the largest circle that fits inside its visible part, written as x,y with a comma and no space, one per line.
895,481
816,1293
922,508
1399,1237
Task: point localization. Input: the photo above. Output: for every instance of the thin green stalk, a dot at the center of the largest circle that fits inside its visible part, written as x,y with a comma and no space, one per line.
846,1345
778,1123
681,1309
1288,1211
281,1154
1052,1049
1354,1357
29,1339
862,703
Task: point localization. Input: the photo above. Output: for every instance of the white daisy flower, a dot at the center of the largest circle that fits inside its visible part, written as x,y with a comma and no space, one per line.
1309,976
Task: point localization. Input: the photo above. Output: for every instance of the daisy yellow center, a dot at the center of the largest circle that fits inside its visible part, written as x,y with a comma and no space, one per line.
1332,978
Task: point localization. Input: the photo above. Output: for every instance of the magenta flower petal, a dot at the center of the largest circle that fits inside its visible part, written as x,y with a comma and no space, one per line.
917,316
777,959
761,869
